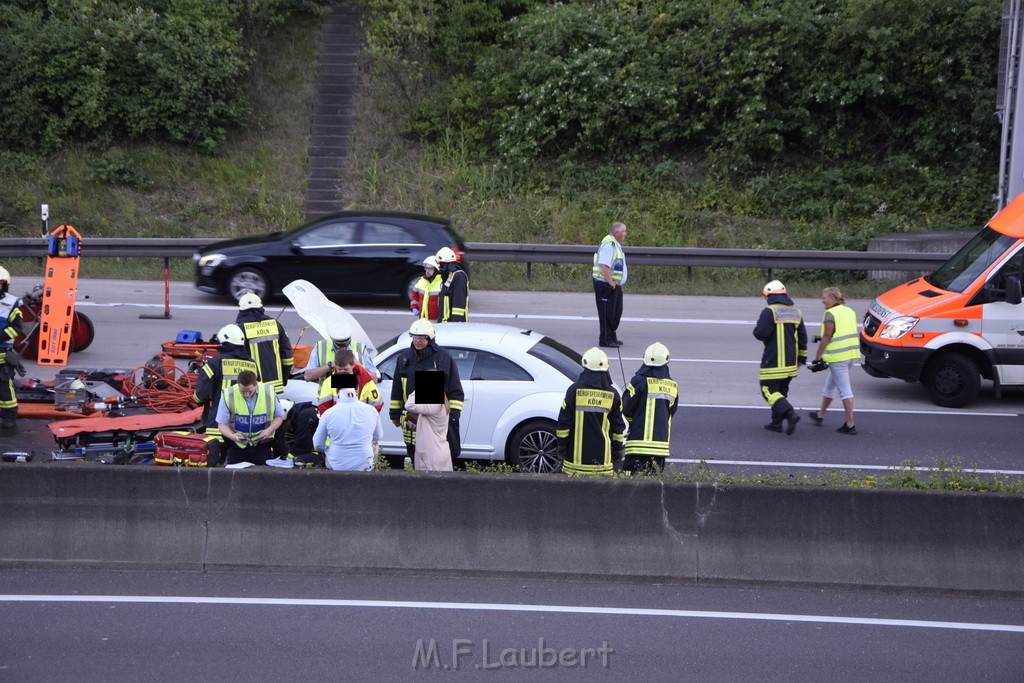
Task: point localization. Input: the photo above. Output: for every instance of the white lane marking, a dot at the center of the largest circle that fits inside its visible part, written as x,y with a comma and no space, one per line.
503,607
830,466
954,414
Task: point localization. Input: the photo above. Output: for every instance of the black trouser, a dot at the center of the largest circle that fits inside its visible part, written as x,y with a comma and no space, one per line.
775,393
609,310
257,454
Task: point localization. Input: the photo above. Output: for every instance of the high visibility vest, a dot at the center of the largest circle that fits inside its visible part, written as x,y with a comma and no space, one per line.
9,312
324,351
618,260
428,292
845,343
254,422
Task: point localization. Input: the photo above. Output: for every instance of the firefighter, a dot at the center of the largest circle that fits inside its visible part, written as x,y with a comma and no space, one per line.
10,320
781,328
248,416
321,358
221,371
268,343
649,405
590,425
424,354
453,301
427,290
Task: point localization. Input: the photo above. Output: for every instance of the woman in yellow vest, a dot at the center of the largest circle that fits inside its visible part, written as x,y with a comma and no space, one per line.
840,349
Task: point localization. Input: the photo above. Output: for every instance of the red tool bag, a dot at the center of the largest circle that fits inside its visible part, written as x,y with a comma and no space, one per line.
187,449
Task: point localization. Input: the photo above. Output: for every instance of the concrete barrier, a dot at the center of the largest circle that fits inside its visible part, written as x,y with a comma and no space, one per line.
943,242
178,518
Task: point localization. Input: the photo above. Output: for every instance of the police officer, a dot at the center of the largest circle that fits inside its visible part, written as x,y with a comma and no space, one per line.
321,358
453,302
649,405
248,416
610,274
781,328
424,354
10,320
221,371
590,424
267,341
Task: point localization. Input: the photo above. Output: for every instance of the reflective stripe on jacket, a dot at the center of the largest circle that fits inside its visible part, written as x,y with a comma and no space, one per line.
648,406
781,328
589,422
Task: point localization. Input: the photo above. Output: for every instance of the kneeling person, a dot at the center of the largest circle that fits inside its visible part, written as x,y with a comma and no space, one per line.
248,415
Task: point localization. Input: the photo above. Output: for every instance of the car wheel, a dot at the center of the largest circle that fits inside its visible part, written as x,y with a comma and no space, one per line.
247,280
534,448
951,380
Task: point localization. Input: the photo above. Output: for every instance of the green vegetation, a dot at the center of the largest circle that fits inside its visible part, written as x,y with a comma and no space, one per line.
945,476
701,123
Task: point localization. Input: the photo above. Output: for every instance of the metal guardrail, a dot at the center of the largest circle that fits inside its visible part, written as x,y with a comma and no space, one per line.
27,247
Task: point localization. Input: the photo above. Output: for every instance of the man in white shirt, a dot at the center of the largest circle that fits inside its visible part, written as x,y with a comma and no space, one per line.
351,426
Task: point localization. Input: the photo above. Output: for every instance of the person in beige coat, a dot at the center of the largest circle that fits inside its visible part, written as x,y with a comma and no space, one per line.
432,451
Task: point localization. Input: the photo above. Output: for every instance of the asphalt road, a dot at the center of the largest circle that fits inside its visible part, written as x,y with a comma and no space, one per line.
714,358
254,627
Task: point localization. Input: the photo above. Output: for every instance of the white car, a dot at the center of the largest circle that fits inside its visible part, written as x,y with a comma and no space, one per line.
514,380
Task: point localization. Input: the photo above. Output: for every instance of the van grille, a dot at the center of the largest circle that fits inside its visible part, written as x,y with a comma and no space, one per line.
871,324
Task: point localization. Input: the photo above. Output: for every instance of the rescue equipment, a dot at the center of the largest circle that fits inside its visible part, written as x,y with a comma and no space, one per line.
60,287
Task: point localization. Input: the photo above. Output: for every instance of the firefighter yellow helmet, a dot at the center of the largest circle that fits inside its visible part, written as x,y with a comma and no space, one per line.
656,355
773,287
422,328
446,255
231,334
249,300
595,359
4,275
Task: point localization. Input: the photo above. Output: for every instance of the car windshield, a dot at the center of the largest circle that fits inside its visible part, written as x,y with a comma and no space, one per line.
559,356
973,259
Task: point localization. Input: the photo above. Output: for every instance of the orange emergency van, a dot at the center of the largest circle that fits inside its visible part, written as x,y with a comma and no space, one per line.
959,324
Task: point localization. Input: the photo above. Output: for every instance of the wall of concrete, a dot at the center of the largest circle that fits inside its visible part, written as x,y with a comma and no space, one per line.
177,518
941,242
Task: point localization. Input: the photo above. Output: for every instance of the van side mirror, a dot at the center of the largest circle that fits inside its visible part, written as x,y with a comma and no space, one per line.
1013,295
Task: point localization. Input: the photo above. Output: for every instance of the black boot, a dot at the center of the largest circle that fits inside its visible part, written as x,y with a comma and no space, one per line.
8,417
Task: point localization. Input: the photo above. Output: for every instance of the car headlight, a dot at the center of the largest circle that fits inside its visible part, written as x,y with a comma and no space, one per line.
210,260
897,327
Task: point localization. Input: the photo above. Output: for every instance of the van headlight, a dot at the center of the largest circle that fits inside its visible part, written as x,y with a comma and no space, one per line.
897,327
211,260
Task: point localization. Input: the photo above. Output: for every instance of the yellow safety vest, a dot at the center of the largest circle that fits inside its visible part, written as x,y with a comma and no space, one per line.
618,261
845,343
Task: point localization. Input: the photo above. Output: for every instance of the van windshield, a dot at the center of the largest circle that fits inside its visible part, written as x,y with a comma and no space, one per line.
973,259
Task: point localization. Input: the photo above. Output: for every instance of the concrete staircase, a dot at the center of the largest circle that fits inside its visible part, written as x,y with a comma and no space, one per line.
333,105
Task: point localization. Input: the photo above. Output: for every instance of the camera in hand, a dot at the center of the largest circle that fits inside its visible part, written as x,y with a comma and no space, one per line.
818,366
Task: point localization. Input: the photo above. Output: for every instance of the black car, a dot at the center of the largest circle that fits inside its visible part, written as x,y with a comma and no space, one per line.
349,254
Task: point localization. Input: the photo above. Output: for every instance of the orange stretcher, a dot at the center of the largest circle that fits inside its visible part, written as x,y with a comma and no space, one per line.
60,286
49,411
176,349
150,422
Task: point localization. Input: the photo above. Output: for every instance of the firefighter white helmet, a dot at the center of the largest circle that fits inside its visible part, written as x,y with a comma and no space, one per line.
656,355
231,334
595,359
340,331
431,262
249,300
773,287
446,255
422,328
4,275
